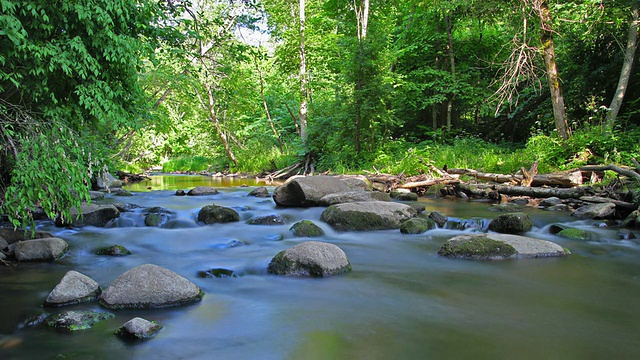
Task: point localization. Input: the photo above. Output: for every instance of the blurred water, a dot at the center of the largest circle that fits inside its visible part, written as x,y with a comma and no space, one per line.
401,301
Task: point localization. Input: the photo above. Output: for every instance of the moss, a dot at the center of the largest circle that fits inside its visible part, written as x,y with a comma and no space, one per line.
114,250
217,214
355,220
480,247
306,228
575,234
417,226
513,223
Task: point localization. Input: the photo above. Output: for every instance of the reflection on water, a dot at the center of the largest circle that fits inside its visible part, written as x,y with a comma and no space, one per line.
401,301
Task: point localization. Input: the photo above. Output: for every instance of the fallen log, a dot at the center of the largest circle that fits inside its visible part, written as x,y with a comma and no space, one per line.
426,183
620,170
567,179
536,192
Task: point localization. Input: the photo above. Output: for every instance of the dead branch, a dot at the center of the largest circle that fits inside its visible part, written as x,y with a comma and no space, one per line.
618,169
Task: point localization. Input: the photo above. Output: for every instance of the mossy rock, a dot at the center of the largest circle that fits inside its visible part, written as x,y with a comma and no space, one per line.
574,234
417,226
310,259
506,207
138,329
211,214
366,216
77,320
633,220
306,228
513,223
479,248
113,250
407,197
218,273
273,219
154,220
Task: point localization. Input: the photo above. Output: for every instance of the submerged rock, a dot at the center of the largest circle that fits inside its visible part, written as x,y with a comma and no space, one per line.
74,288
439,218
306,191
113,250
499,246
149,286
310,259
77,320
218,273
306,228
40,249
273,219
211,214
138,328
574,234
90,215
353,196
368,215
513,223
202,190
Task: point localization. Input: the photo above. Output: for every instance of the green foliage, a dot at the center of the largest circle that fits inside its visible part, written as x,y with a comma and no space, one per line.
187,164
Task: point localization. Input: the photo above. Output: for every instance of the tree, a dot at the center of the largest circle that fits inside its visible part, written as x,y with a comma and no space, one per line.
625,73
68,82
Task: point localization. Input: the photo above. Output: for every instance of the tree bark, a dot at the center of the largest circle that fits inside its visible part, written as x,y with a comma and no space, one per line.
266,107
303,75
452,66
553,78
627,65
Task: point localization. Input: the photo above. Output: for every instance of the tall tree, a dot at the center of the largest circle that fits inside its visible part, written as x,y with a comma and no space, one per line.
629,58
541,7
304,92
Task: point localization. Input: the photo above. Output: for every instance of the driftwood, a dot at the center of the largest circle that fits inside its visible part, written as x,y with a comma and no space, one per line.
537,192
567,179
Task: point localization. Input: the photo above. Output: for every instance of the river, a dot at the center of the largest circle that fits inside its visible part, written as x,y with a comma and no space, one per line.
400,301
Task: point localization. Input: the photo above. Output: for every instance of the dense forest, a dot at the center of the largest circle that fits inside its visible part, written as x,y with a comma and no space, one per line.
339,85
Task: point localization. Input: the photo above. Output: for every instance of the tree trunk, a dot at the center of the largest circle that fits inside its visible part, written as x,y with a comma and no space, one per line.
452,65
362,22
216,123
266,107
548,53
625,73
303,76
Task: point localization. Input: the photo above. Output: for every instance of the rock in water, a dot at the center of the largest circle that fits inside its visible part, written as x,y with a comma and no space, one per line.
306,191
149,286
353,196
77,320
74,288
90,215
494,246
40,249
595,211
306,228
310,259
202,190
211,214
368,215
512,223
138,328
260,192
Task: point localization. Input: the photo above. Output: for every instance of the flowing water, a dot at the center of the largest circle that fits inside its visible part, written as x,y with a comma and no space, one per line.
401,301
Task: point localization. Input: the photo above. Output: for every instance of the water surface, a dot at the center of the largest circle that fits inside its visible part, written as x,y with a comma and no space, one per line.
401,301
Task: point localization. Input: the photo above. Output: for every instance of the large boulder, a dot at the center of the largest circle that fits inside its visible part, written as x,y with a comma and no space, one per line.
353,196
356,182
595,211
310,259
149,286
202,190
40,249
512,223
306,191
368,215
494,246
12,235
90,215
211,214
77,320
74,288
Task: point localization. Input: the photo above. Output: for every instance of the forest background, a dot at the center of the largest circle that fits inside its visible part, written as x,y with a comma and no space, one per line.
345,85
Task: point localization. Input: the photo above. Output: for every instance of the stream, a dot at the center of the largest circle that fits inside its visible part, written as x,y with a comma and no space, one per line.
400,301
